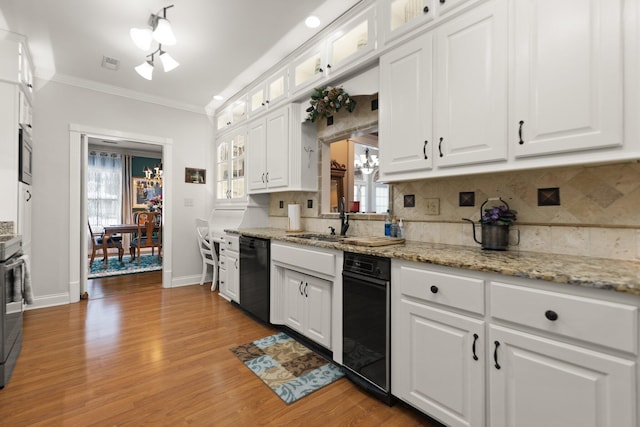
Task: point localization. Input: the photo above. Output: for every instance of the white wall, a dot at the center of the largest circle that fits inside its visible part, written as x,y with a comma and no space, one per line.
57,106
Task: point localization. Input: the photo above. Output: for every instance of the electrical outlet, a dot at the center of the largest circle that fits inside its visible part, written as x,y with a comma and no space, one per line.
432,206
281,204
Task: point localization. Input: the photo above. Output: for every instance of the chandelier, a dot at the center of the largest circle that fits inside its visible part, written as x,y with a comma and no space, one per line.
153,176
367,164
160,30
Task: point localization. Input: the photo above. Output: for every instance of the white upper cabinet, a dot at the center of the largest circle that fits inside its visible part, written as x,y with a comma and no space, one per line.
230,167
342,47
406,124
455,117
269,92
233,114
281,152
401,16
308,68
471,87
568,74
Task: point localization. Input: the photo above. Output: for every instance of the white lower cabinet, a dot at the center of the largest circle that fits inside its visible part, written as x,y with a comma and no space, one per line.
469,349
307,306
440,369
229,269
542,382
437,355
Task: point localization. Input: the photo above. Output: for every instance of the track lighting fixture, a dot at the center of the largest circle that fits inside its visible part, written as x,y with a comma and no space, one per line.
162,33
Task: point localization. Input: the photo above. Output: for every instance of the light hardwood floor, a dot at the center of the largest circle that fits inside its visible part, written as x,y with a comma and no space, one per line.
160,357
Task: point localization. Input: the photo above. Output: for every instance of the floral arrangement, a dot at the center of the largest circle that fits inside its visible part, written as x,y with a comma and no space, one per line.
498,215
155,203
325,102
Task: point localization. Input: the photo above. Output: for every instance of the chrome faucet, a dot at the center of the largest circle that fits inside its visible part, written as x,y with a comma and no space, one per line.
344,218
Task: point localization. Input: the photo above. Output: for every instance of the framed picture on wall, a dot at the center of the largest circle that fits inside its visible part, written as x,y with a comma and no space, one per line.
138,192
195,176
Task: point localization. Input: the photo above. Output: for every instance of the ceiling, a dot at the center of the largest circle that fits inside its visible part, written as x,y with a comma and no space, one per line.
222,45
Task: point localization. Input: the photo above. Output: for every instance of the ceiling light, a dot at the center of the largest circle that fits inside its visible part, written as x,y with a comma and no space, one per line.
218,97
312,22
145,69
162,33
142,37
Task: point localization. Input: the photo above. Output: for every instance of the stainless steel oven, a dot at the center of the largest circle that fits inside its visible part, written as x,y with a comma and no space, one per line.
11,295
366,324
25,155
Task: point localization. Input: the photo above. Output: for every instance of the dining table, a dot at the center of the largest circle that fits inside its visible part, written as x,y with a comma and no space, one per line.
110,230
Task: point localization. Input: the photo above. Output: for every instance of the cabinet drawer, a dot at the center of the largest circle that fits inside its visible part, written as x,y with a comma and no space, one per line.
461,292
231,243
605,323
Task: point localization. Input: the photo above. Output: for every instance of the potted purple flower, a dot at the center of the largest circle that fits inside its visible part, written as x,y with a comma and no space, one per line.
495,222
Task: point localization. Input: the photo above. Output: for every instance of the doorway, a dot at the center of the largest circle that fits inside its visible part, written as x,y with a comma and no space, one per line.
78,262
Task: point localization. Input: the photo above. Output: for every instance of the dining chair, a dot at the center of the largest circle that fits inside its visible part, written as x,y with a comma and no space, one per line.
207,251
97,244
148,235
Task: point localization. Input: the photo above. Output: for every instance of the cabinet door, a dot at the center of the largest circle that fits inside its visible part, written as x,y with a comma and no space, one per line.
354,40
317,293
567,78
24,216
433,362
222,279
401,16
293,300
257,156
237,169
542,382
406,107
308,69
277,155
471,94
223,154
233,276
277,87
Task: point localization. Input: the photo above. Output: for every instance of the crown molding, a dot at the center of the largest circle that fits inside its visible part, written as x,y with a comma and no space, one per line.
125,93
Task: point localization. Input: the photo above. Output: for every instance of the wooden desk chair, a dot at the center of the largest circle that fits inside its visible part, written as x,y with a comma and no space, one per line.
149,234
207,251
114,242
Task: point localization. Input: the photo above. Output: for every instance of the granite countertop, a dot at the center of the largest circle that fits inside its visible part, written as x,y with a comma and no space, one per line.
600,273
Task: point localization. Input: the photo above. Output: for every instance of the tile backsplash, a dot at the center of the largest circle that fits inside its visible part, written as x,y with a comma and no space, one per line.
598,214
7,227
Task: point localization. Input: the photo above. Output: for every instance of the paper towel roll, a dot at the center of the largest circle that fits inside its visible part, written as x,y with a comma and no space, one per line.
294,218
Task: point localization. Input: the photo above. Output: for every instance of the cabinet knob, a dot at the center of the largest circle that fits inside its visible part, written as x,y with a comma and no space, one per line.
329,66
442,1
267,101
551,315
320,70
262,104
434,289
426,9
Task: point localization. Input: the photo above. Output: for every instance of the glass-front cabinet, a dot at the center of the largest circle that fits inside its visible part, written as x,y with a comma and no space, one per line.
233,114
230,167
269,92
401,16
349,42
309,68
352,40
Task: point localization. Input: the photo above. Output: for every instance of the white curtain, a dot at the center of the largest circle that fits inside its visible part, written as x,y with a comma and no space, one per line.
104,189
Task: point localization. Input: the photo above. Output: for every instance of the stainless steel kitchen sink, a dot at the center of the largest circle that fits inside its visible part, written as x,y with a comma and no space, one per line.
318,236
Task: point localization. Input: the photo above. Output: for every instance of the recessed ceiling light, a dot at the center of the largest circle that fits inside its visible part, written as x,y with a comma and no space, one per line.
312,21
218,97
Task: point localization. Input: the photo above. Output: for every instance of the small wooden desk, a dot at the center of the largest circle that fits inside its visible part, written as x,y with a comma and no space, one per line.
110,230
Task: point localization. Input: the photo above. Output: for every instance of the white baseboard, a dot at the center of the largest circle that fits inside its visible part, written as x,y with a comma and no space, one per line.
48,301
189,280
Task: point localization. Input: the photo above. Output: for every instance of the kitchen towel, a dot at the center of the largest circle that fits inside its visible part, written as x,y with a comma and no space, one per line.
294,218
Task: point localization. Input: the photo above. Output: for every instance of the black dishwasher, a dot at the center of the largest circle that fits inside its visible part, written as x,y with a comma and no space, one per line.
255,275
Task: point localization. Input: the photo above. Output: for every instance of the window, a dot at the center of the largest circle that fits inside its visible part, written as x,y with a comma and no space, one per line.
104,188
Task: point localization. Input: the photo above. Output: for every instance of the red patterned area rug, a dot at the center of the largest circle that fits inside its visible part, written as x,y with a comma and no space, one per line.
289,368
